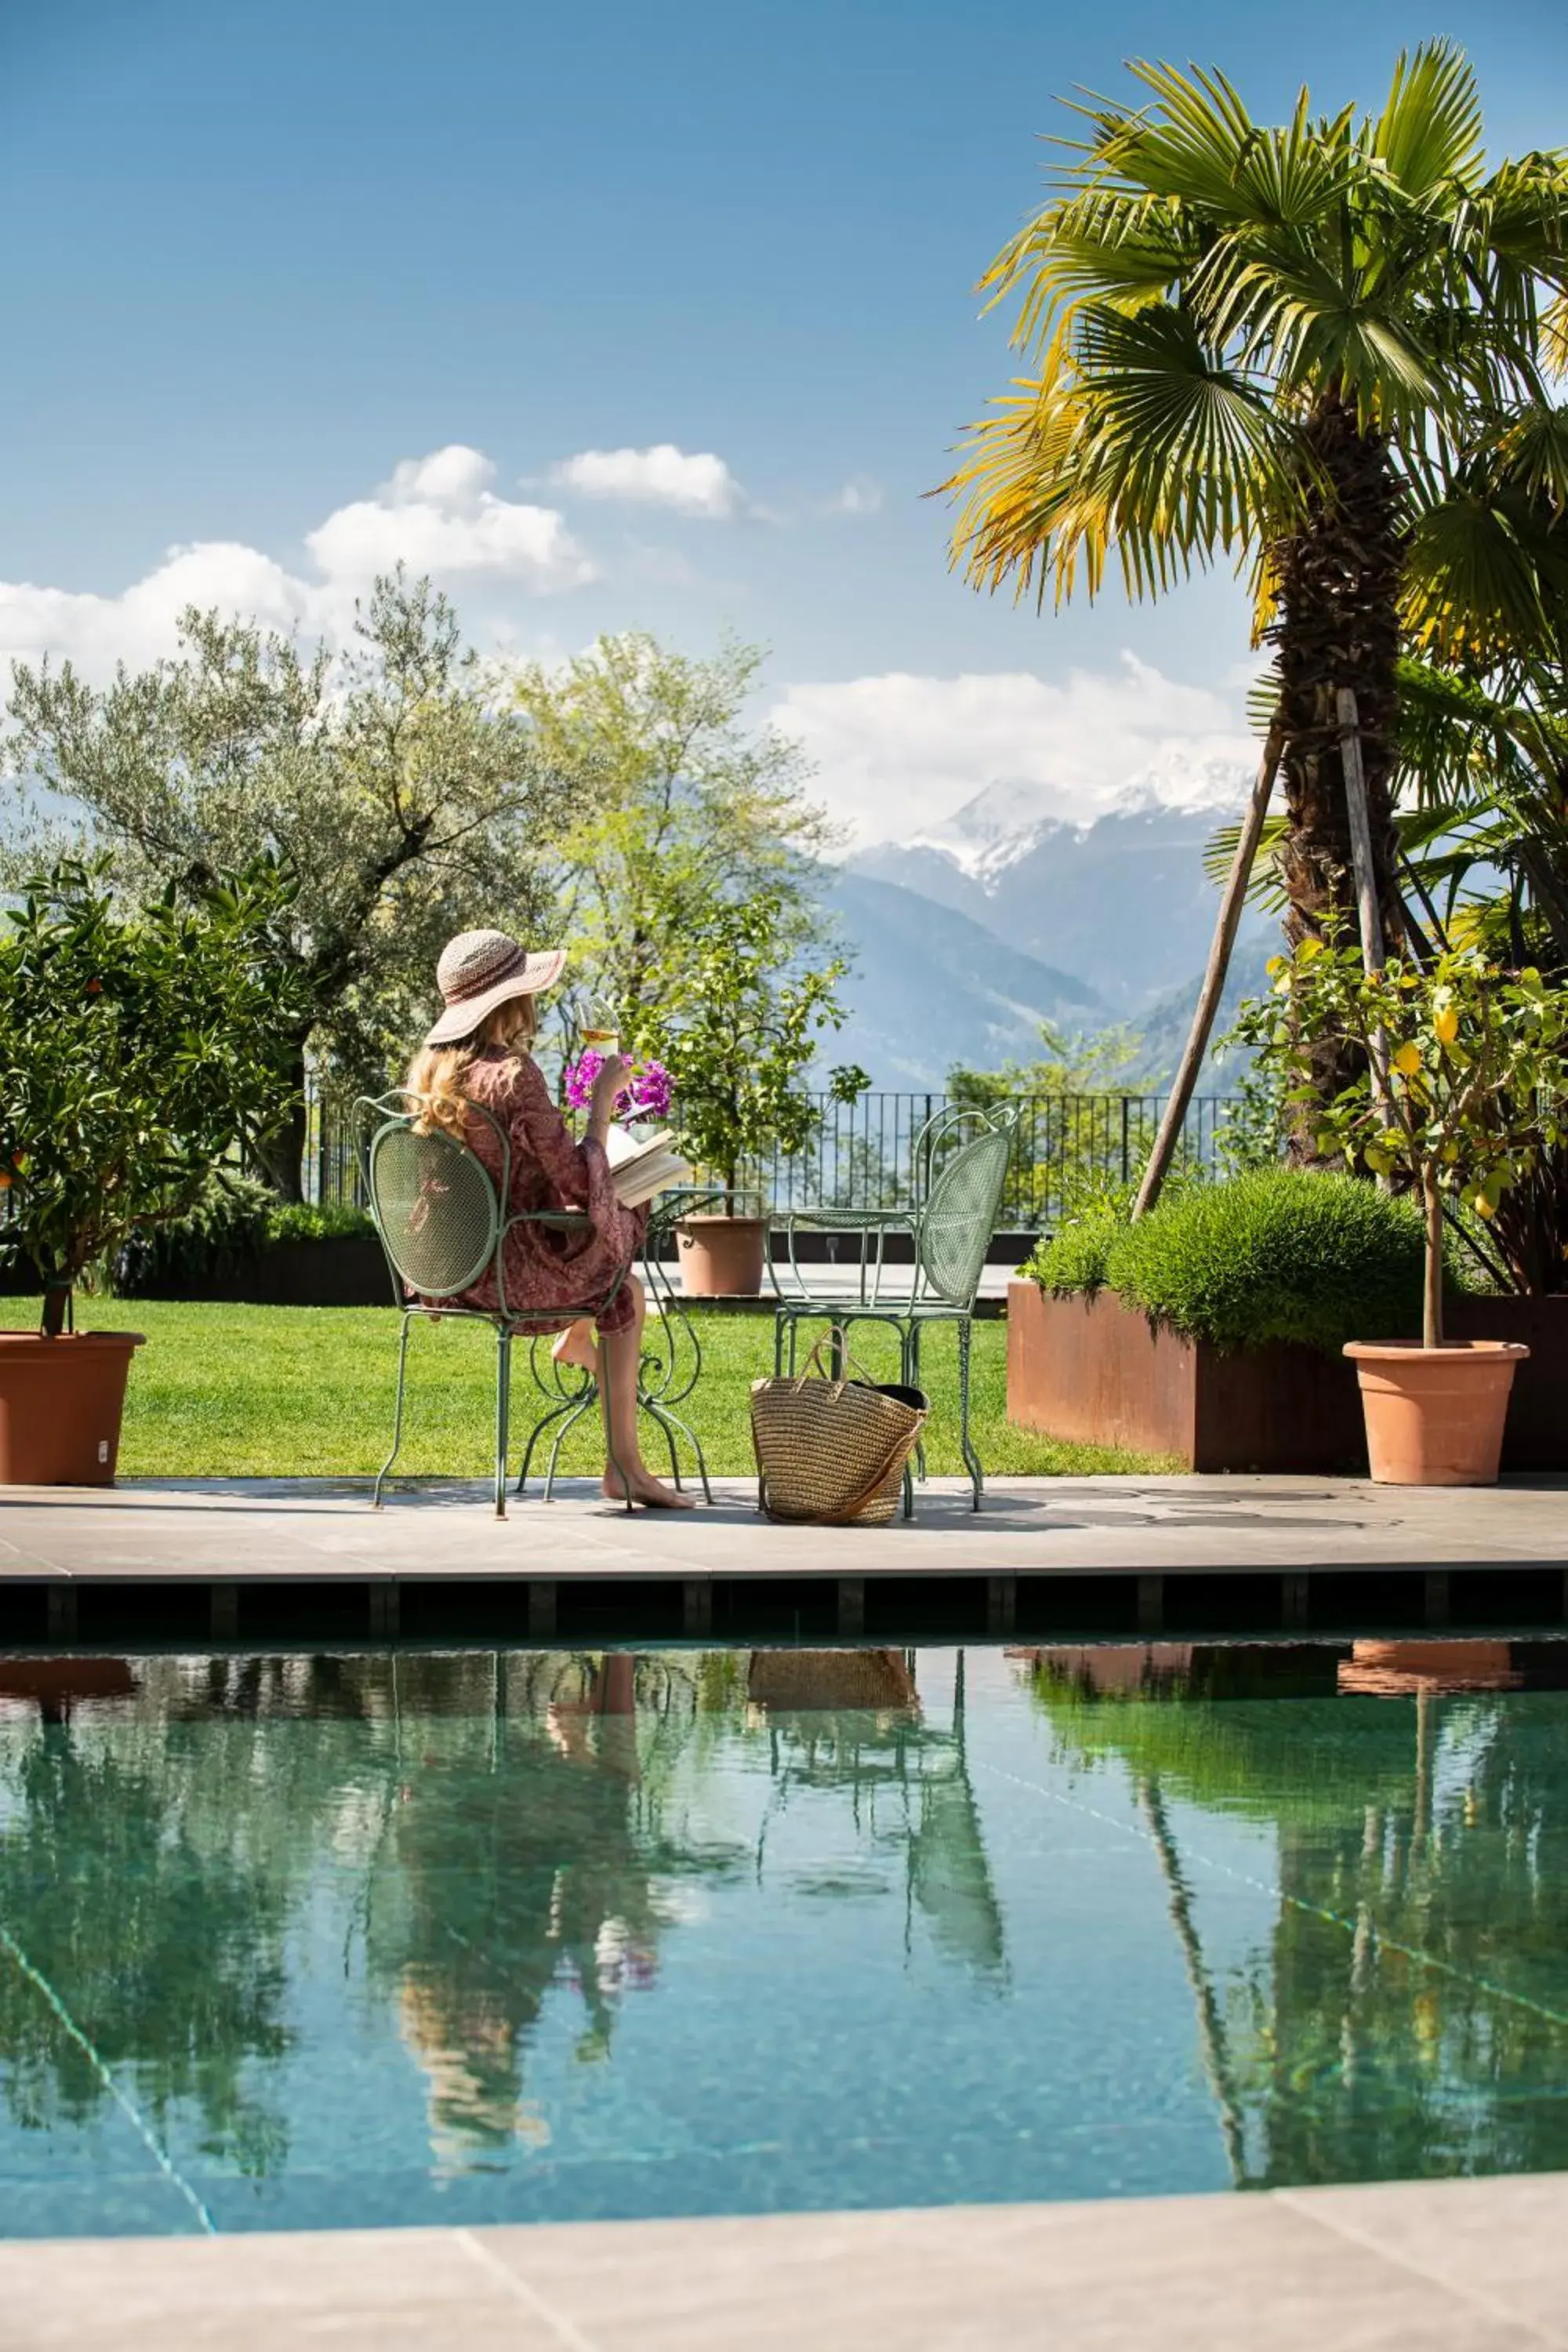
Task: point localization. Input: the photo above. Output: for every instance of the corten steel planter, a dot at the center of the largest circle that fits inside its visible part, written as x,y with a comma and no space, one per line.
721,1257
60,1406
1434,1415
1095,1372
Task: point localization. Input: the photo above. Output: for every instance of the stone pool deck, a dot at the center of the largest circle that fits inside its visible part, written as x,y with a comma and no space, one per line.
264,1558
1453,2266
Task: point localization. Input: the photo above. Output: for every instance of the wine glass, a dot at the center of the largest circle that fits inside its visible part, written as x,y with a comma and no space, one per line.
601,1026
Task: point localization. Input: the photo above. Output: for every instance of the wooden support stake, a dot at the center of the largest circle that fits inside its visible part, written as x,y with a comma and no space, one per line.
1212,989
1361,830
1367,909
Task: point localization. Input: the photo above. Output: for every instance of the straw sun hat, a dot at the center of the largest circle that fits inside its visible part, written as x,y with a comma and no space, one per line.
478,971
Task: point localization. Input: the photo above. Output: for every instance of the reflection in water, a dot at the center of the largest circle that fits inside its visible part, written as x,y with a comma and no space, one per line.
1409,2014
530,1854
525,1829
528,1934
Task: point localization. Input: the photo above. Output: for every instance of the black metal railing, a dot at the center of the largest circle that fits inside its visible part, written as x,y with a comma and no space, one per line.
862,1155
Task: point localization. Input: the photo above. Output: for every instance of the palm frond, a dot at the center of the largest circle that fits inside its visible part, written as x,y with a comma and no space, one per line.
1144,445
1266,891
1534,452
1430,132
1554,335
1471,584
1095,246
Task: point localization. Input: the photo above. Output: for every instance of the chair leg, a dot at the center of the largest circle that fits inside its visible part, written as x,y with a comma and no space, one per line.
568,1416
672,1424
971,1459
503,1415
911,1375
397,1420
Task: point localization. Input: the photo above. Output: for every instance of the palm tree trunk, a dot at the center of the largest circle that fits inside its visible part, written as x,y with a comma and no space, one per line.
1338,626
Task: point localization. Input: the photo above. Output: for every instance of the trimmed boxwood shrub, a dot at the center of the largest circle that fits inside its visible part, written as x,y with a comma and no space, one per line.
1278,1254
1072,1263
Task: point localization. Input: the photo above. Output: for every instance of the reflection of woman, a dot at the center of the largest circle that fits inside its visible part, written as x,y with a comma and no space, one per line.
516,1878
477,1052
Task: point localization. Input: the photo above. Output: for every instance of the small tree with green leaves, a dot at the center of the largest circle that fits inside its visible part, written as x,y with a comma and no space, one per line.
134,1055
405,800
1475,1083
683,803
737,1037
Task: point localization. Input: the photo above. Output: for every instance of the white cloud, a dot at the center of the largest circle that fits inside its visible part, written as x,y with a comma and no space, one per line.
859,495
138,625
695,484
898,754
437,514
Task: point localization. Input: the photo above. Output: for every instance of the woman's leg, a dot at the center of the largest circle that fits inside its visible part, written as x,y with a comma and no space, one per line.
621,1353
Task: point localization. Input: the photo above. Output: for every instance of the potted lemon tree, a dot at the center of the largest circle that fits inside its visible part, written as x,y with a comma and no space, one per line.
736,1038
1468,1088
134,1053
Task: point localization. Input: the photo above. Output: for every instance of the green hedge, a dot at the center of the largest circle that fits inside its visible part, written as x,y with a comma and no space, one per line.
236,1218
1278,1254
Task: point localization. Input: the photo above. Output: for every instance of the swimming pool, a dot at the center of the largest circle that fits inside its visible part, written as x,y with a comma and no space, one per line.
352,1940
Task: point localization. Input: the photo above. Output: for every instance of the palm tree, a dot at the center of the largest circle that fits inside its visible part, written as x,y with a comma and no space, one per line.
1483,746
1249,340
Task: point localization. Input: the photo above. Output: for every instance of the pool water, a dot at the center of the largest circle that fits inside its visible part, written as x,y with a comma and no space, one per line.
330,1941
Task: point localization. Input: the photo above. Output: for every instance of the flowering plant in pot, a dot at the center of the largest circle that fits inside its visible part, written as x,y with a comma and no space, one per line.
1467,1089
134,1053
736,1037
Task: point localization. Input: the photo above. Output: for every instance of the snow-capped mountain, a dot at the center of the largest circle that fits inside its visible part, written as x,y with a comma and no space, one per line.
1121,902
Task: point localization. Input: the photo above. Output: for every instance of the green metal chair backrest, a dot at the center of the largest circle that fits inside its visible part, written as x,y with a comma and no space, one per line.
959,1213
436,1204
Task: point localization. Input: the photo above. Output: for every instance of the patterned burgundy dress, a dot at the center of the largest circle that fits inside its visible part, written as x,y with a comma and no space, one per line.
550,1276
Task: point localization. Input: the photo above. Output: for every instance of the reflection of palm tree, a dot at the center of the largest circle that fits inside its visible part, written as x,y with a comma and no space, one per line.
1210,2017
1407,2016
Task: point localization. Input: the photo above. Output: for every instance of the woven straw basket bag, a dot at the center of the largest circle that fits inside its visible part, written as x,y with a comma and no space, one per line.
823,1682
832,1452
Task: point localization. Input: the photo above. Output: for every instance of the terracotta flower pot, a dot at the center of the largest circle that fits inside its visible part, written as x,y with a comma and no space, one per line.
721,1257
60,1406
1434,1415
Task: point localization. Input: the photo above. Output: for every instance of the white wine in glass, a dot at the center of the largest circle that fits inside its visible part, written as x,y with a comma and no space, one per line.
601,1026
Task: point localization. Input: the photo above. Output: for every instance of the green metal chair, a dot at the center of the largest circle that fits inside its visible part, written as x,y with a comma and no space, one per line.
669,1370
961,1160
443,1225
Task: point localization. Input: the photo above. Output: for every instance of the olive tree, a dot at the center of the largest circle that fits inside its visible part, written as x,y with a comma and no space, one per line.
403,799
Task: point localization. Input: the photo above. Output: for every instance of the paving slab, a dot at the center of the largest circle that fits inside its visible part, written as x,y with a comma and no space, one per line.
1372,2269
312,1529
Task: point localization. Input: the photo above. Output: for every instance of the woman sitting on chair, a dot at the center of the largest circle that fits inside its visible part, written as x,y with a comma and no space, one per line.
477,1052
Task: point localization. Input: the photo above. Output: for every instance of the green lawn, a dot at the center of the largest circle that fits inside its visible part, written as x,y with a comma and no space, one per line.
308,1391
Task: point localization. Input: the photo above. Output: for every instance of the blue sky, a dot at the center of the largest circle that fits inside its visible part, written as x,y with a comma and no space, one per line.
259,258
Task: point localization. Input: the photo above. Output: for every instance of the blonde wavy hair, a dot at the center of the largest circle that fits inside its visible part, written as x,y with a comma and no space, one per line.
437,1072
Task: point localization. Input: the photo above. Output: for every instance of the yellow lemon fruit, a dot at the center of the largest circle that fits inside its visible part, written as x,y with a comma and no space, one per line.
1407,1061
1446,1022
1485,1208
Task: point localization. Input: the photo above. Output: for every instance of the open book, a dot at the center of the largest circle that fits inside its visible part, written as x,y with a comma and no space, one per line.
642,1169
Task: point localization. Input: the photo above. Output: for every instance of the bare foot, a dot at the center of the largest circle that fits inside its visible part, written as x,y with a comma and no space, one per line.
578,1346
650,1492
